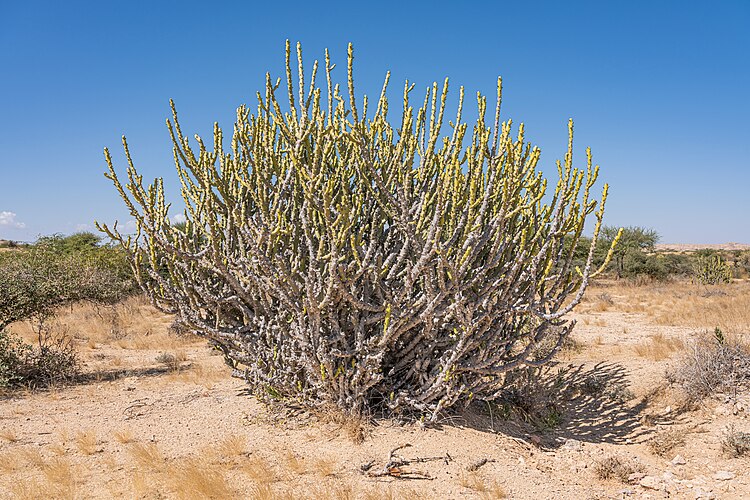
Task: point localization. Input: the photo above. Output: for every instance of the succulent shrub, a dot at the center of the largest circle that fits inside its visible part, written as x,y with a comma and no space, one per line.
712,270
337,256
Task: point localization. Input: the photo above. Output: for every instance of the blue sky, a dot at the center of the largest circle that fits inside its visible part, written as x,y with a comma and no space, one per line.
658,89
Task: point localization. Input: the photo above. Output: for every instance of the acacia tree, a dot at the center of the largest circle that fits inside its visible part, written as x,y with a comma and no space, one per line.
338,258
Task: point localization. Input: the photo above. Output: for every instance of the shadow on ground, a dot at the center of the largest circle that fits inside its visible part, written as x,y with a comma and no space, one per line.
588,404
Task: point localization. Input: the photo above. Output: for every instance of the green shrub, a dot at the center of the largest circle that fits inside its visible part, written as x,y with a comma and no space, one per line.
712,270
35,281
52,361
13,355
337,258
38,279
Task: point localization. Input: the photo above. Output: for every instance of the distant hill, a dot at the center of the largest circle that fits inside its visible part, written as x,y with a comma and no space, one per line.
681,247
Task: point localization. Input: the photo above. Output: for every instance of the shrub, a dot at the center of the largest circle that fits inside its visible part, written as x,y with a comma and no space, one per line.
52,361
629,258
37,280
614,467
713,363
13,355
712,270
338,259
735,443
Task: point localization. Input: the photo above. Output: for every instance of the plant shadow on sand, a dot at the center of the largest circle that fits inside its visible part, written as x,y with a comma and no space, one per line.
586,404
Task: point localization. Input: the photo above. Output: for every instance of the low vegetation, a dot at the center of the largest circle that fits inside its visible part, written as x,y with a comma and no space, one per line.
713,363
35,281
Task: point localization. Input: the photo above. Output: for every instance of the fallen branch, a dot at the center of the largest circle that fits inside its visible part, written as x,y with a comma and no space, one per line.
479,463
394,467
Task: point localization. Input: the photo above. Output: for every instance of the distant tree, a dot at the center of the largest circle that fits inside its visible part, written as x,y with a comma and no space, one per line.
635,241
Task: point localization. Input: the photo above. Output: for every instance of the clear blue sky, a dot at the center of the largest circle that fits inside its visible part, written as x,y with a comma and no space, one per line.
660,91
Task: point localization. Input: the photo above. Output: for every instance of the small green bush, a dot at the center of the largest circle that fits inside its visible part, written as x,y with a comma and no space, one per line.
52,361
712,270
36,280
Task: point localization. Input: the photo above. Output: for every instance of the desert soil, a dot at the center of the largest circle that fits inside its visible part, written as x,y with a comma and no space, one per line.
140,426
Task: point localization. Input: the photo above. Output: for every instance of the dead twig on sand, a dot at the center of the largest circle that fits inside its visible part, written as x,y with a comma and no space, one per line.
395,466
479,463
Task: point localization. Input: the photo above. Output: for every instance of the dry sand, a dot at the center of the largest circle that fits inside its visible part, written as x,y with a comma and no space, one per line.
138,429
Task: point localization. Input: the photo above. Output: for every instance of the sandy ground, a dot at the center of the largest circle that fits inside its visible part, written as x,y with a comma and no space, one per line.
137,428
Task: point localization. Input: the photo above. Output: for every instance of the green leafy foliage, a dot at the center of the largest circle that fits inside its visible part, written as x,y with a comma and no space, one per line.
37,279
34,281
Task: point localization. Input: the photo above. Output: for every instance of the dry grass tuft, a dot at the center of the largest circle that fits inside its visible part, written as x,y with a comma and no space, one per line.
485,488
9,436
59,480
325,466
658,347
664,442
32,457
295,464
232,446
173,361
124,436
614,467
198,374
148,456
86,442
196,478
354,426
58,449
9,462
62,478
264,491
259,470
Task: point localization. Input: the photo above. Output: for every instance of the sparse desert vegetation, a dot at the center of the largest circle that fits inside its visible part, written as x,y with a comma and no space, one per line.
603,418
334,320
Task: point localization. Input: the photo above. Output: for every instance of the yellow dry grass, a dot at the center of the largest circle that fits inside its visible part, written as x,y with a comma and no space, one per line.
87,442
658,347
198,478
148,456
131,324
679,303
9,435
259,470
124,436
486,489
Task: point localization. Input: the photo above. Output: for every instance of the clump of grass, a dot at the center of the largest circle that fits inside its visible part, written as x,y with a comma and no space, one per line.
195,478
87,442
353,426
658,347
124,436
148,456
485,488
9,462
9,436
325,466
173,361
714,363
614,467
664,442
259,470
735,443
232,446
294,463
